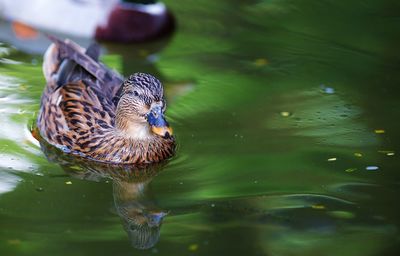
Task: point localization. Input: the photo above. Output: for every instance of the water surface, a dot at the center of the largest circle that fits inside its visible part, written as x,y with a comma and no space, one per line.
286,113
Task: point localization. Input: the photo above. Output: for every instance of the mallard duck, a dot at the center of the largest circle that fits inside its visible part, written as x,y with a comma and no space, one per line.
90,111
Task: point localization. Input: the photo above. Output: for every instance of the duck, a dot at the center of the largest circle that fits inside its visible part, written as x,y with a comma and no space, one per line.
121,21
90,111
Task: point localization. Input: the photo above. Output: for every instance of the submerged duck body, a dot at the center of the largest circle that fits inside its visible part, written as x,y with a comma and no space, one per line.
89,110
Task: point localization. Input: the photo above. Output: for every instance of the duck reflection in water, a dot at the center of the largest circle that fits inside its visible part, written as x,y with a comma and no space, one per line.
141,217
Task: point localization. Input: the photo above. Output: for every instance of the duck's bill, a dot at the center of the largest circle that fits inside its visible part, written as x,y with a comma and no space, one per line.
158,123
155,218
164,131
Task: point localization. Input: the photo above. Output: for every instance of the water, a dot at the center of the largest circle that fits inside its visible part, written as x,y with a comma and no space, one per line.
286,113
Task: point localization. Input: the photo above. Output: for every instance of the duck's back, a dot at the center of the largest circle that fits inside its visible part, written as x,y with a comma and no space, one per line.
79,101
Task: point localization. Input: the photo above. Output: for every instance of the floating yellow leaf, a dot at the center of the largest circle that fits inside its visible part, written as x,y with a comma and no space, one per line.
351,170
23,87
358,154
332,159
261,62
193,247
14,241
318,206
285,113
379,131
68,182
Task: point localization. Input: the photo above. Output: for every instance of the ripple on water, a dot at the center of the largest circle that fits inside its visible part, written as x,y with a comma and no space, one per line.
312,220
328,119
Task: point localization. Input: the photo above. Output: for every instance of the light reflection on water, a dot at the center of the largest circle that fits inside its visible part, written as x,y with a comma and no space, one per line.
8,182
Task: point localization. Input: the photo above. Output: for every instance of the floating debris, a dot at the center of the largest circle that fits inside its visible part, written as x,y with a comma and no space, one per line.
23,87
14,241
379,131
350,170
327,90
387,152
372,168
318,206
68,182
358,154
332,159
212,205
193,247
285,113
39,189
260,62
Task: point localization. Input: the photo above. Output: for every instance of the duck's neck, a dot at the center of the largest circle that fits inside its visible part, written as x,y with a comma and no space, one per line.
136,131
128,191
144,146
131,127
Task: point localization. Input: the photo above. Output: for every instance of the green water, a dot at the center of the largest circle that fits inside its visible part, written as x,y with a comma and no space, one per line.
279,108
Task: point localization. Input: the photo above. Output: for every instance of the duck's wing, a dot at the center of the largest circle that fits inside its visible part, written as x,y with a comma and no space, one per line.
78,97
74,114
84,107
67,62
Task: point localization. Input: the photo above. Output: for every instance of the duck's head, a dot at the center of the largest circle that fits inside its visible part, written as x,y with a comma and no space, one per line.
140,110
144,228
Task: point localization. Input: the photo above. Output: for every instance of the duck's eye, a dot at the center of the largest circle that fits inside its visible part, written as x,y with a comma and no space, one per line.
135,93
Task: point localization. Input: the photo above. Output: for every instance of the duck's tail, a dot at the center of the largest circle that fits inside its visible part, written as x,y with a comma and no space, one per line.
51,63
66,61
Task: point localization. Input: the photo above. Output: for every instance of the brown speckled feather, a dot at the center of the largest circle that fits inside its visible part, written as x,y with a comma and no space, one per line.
78,116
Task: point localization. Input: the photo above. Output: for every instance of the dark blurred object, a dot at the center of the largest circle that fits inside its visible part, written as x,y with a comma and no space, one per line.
133,22
108,20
